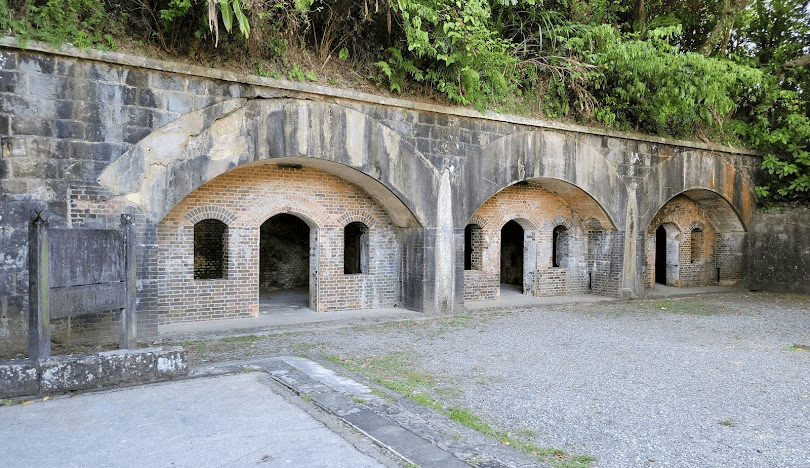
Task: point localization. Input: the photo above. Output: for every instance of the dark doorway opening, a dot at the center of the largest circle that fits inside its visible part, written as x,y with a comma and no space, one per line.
661,255
473,246
512,254
284,263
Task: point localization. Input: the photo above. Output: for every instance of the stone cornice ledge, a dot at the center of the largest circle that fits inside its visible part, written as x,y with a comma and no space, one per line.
339,93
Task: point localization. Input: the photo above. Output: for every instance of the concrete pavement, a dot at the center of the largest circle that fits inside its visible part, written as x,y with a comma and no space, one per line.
232,420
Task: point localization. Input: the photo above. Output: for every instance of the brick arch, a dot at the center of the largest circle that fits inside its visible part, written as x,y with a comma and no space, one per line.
163,168
478,221
560,221
210,212
519,217
355,216
723,192
560,162
312,214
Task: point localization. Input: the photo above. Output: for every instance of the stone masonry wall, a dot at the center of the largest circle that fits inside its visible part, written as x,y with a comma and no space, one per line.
778,251
66,116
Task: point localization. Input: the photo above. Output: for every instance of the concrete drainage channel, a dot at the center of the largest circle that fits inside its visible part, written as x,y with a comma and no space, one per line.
411,432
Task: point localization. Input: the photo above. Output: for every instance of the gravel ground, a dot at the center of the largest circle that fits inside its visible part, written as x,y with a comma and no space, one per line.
716,380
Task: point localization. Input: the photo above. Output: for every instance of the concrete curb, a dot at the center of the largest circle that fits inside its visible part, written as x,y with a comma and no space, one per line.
70,373
409,431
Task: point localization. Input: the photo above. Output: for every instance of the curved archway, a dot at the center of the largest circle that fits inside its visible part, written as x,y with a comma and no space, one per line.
163,168
710,181
564,165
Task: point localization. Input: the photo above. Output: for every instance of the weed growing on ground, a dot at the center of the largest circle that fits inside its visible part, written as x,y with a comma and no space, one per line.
6,402
396,372
236,342
799,347
305,397
726,422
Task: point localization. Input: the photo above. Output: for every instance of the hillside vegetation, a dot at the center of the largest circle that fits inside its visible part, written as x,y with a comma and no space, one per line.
730,71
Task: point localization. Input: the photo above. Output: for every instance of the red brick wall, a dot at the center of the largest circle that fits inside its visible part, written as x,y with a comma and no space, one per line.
244,199
539,211
686,215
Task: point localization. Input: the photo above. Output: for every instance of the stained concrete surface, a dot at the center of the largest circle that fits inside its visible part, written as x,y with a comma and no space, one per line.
233,420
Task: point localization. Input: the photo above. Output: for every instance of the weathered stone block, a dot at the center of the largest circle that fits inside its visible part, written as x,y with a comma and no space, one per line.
102,72
172,362
168,82
69,129
137,78
12,82
86,111
179,102
69,373
46,86
18,378
135,134
149,98
18,106
31,126
125,365
36,63
8,61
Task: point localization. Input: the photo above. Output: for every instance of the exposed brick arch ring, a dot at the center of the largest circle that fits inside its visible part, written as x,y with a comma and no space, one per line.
210,212
356,216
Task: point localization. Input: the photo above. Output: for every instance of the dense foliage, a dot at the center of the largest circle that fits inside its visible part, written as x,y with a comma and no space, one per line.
733,71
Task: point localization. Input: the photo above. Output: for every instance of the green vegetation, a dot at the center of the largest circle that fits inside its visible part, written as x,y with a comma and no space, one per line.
398,372
726,422
730,71
4,402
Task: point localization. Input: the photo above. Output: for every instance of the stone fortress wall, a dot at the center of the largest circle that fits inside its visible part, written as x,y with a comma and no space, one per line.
398,203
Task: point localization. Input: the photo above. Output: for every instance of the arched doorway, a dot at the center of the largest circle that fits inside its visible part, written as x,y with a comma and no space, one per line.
512,255
284,263
661,255
667,254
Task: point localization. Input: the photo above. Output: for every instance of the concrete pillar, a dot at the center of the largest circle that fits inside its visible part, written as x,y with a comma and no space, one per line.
39,323
631,282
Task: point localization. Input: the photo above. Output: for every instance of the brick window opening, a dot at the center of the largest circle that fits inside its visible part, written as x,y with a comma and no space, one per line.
473,246
210,252
512,254
284,253
697,245
355,248
560,246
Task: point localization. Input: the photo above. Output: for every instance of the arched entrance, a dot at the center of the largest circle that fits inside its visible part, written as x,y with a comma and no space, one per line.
512,249
661,255
284,263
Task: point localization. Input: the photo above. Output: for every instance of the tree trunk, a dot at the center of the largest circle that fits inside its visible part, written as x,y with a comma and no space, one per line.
724,25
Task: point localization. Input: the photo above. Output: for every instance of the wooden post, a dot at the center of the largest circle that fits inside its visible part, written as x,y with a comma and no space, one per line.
129,322
39,327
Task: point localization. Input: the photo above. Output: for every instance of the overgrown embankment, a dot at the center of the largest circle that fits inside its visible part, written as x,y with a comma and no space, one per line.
730,71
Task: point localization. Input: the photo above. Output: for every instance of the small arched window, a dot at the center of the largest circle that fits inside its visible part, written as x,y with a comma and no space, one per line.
697,245
210,252
355,248
473,246
559,246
